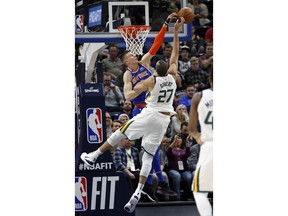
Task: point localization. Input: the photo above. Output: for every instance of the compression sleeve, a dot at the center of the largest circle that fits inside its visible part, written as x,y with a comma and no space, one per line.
158,40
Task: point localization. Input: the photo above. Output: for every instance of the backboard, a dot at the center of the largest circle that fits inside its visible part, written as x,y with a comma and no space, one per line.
102,18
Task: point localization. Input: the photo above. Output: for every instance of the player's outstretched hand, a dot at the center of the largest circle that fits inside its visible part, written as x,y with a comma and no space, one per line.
172,16
178,23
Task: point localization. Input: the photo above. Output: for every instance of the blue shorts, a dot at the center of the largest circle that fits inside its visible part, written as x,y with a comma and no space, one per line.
136,111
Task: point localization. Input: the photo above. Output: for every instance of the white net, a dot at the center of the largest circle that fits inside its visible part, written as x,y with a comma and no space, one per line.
135,37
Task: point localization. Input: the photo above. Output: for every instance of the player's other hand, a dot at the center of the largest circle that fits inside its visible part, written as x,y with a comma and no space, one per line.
172,15
178,23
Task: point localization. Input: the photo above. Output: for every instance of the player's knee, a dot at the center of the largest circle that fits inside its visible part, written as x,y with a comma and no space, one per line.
146,164
115,138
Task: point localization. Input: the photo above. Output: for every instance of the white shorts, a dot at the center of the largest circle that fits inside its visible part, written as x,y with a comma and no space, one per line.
150,125
203,177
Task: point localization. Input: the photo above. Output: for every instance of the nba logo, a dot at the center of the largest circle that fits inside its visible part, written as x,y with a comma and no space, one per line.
94,125
80,194
79,23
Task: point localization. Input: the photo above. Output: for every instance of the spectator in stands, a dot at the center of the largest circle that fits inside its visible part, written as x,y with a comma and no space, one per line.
184,133
156,187
180,90
178,167
180,117
167,51
174,6
126,109
193,158
163,161
209,36
201,13
126,159
196,76
159,11
196,43
187,98
119,79
184,61
123,118
114,126
206,61
167,137
113,96
112,63
108,123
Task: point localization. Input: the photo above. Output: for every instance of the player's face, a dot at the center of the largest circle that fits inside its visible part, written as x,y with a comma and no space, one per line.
130,58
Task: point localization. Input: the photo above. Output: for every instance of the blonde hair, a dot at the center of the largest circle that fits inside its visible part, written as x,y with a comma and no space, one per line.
180,106
194,59
184,114
123,115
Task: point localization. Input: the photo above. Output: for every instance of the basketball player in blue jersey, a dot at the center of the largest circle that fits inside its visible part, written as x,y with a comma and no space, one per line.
136,72
151,124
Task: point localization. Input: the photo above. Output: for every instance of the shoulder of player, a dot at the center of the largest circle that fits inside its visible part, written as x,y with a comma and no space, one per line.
197,97
127,75
150,80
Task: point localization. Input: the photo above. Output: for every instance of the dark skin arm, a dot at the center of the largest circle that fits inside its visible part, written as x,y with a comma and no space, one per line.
193,120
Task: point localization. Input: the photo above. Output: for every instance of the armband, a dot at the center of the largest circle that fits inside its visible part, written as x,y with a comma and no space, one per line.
167,21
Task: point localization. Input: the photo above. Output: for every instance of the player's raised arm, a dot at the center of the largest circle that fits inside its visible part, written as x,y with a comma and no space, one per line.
173,68
193,118
157,42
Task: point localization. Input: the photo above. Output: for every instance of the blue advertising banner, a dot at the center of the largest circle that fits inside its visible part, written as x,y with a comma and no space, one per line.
92,127
101,194
99,190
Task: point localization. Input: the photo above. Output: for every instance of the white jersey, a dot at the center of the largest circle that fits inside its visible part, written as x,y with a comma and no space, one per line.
161,97
205,112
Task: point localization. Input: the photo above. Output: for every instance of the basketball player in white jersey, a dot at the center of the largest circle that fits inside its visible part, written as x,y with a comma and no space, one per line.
151,124
202,110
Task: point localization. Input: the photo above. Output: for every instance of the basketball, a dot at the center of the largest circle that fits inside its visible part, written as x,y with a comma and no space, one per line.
187,14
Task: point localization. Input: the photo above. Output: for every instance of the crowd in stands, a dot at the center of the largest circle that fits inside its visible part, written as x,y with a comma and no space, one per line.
179,155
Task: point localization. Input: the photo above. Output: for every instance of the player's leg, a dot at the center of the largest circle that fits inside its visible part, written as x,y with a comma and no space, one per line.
91,157
203,205
153,134
148,190
203,179
145,170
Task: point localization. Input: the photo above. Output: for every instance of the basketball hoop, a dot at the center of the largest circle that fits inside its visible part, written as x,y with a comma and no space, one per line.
135,37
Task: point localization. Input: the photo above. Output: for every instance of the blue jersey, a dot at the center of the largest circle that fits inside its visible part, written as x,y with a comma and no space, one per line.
141,74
